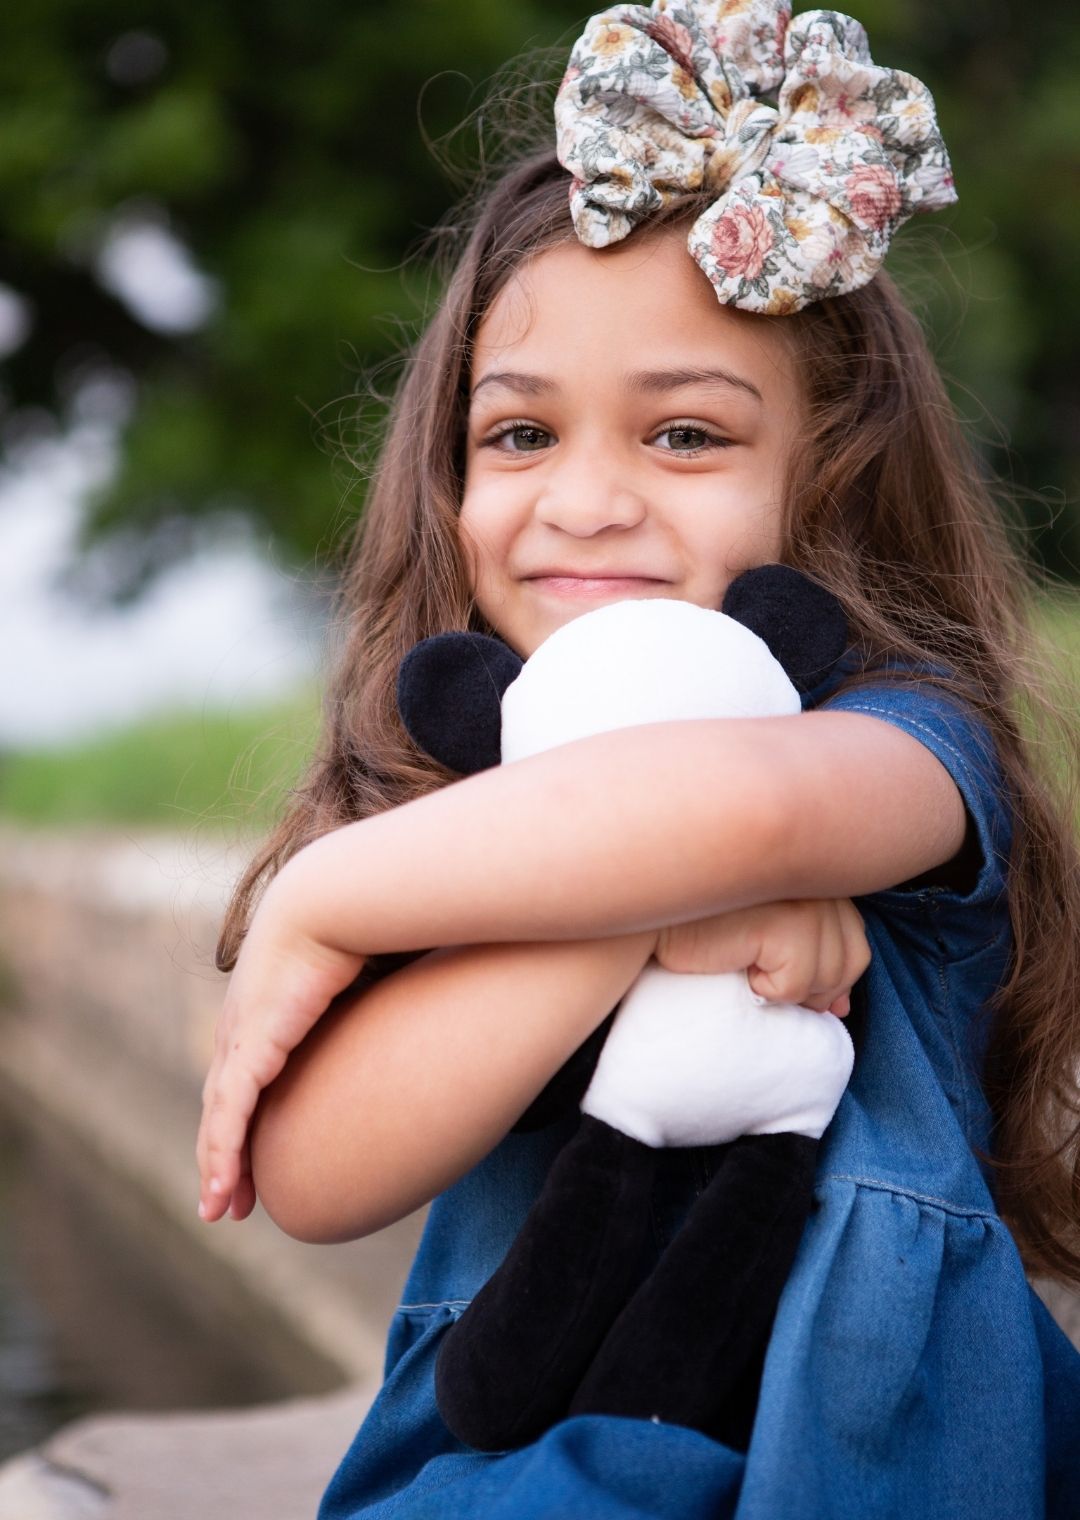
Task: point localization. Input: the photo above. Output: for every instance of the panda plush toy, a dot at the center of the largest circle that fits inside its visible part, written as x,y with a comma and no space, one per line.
579,1318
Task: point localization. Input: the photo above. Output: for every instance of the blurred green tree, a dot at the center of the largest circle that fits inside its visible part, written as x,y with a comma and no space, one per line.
284,151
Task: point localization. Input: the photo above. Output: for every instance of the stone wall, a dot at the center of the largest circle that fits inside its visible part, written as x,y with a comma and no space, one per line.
109,1001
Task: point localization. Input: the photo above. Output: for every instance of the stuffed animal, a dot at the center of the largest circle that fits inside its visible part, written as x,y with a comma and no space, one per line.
577,1319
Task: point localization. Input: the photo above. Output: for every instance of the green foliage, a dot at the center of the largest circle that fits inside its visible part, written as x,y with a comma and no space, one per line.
176,771
1061,631
284,145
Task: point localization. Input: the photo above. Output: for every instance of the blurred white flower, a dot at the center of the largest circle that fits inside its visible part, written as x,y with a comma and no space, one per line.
150,270
15,320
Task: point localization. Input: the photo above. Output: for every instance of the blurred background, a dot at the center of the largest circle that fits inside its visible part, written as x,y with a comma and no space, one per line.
213,222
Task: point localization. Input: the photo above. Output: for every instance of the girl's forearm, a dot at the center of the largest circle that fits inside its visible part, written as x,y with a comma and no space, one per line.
636,829
610,835
401,1090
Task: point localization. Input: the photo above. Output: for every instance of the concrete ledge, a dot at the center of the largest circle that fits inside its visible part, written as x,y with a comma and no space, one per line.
107,1029
271,1463
108,999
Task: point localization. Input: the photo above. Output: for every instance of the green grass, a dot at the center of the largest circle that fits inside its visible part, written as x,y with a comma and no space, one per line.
1061,625
178,770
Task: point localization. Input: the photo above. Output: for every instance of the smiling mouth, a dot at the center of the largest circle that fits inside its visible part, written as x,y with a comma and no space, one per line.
595,585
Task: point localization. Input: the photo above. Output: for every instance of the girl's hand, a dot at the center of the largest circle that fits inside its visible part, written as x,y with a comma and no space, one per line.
283,981
808,952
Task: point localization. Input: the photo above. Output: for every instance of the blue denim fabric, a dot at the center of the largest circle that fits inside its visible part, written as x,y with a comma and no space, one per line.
911,1371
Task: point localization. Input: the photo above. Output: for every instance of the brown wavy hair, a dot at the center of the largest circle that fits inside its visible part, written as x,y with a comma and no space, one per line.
887,506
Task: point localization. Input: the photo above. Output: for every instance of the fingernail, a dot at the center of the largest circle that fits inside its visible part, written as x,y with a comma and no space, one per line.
202,1210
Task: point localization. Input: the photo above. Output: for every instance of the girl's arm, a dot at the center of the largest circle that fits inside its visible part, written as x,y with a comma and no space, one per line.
632,830
629,830
402,1089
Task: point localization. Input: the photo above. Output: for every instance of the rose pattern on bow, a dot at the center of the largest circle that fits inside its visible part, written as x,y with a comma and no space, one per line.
661,102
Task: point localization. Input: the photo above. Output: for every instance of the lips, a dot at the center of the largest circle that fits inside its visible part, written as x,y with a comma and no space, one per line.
559,573
575,583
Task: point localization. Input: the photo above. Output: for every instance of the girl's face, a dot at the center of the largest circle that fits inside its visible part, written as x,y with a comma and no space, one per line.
628,437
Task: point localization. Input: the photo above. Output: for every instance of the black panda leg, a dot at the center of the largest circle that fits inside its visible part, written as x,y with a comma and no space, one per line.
689,1346
508,1368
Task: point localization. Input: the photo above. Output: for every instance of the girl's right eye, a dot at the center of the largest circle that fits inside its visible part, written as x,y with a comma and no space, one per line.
529,439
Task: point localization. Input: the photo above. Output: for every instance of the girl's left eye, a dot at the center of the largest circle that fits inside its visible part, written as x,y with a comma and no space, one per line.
688,438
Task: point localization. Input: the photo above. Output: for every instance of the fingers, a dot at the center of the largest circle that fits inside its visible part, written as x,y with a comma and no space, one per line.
243,1198
809,953
857,946
723,942
238,1200
847,956
284,980
255,1034
793,965
230,1096
807,957
856,954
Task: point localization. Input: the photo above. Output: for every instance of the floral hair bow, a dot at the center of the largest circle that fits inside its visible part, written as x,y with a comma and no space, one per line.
662,101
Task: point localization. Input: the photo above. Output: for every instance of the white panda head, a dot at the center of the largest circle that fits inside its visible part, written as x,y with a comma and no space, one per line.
468,700
635,662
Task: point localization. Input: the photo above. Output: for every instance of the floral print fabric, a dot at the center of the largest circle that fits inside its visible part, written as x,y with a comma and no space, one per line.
664,101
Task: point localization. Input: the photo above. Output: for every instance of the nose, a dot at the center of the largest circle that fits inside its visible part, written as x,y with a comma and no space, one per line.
588,492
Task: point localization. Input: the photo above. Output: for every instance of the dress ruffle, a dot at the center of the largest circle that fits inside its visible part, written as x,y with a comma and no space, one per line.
899,1309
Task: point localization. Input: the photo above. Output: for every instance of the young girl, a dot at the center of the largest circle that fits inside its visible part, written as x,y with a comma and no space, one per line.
687,367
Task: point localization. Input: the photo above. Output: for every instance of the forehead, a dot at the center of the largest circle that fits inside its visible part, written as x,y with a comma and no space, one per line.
611,307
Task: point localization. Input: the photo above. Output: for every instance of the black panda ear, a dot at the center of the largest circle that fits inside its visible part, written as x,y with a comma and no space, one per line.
449,691
802,623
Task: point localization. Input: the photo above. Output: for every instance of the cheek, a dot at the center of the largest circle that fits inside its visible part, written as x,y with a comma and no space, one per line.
468,555
483,549
475,546
485,527
738,525
762,536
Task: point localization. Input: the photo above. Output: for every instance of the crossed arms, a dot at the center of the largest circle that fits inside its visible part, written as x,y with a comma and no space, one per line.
551,877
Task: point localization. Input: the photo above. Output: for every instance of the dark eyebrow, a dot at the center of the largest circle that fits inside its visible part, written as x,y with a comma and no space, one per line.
516,380
640,381
648,381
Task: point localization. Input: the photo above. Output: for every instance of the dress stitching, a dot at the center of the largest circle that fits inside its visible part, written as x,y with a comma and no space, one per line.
898,718
442,1303
903,1192
947,1018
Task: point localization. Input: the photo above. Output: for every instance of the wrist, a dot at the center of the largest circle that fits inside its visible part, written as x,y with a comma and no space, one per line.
319,894
294,930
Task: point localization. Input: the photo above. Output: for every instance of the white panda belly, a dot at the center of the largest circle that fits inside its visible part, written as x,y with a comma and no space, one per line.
697,1060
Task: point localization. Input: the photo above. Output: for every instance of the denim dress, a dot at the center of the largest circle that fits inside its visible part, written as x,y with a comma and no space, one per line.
911,1371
